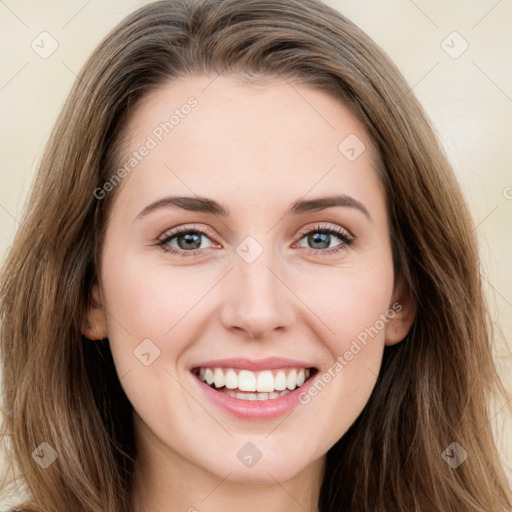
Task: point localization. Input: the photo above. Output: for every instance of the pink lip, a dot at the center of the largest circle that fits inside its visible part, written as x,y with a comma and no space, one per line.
255,409
269,363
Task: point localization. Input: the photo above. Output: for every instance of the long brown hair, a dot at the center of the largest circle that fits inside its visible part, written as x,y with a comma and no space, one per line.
434,387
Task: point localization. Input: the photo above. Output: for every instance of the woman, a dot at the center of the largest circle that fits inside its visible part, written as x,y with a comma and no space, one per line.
141,373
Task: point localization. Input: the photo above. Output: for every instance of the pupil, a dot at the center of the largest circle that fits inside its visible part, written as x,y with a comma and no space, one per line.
189,239
320,238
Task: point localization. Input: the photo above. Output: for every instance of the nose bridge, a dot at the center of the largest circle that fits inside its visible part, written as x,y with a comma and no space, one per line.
259,301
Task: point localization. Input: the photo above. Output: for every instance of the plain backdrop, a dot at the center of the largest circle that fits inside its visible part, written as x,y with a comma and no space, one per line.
456,56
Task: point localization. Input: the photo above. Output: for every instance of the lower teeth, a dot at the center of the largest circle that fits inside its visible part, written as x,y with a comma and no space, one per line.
253,395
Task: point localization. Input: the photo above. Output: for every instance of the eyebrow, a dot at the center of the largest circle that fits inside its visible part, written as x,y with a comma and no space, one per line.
207,205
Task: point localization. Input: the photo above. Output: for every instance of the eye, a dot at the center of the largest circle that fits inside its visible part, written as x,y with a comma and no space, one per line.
187,239
321,236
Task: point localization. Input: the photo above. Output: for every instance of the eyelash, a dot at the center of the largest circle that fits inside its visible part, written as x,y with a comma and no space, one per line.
346,238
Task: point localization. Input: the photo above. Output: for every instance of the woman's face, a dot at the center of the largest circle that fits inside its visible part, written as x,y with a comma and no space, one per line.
262,287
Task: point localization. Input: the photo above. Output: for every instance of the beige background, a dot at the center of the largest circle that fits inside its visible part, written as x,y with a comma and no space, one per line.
468,96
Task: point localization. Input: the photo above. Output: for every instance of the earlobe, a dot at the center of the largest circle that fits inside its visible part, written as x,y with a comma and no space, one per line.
404,307
94,326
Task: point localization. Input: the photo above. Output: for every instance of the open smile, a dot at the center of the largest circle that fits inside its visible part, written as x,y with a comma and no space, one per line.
251,394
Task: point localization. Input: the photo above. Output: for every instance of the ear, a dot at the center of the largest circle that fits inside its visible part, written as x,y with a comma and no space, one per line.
94,325
403,304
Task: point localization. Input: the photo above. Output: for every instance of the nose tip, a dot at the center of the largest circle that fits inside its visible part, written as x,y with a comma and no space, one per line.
258,302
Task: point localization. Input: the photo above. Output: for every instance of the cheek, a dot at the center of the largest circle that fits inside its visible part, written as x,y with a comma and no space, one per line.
147,301
353,310
360,307
146,291
349,302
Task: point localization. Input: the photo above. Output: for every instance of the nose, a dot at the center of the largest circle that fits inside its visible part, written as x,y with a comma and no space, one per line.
258,299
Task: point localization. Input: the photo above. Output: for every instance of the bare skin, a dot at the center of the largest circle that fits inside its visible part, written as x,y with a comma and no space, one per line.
256,149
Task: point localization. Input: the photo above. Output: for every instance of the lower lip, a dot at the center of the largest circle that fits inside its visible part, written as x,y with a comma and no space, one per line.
255,409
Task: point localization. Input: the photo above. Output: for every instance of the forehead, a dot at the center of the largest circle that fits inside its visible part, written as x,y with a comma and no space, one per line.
264,139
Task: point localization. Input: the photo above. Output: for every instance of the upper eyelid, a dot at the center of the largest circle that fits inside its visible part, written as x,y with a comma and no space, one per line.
186,228
324,227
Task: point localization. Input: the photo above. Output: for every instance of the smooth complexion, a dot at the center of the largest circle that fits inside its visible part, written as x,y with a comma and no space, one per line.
256,149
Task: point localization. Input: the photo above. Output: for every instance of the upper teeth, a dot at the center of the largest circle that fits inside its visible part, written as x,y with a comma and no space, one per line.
246,380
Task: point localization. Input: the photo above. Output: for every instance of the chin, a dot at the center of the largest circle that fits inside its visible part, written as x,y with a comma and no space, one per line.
264,471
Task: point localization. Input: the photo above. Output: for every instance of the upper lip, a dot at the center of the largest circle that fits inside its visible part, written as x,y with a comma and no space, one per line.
269,363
